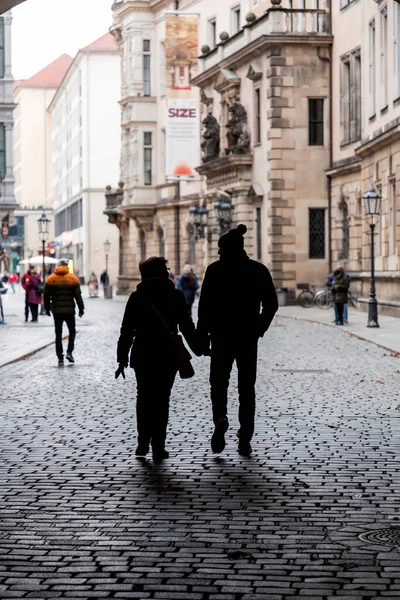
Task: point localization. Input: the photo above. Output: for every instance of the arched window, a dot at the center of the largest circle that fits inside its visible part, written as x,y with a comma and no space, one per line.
143,249
161,242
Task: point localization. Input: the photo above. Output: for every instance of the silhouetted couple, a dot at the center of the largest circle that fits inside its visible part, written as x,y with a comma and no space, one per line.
237,305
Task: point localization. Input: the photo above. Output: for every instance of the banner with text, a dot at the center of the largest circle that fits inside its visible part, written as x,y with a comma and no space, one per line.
183,110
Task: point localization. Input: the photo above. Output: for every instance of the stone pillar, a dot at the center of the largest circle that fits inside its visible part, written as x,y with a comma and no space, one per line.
7,45
9,174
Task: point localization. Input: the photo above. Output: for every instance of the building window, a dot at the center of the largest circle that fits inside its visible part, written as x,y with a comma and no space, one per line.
17,230
384,58
235,20
148,158
70,218
316,121
372,69
146,68
344,3
3,171
162,69
351,97
259,234
143,245
2,52
316,232
161,241
212,33
257,115
396,50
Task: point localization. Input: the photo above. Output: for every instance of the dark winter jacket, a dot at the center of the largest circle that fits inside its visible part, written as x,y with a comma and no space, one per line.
143,328
61,291
340,289
188,284
331,279
232,295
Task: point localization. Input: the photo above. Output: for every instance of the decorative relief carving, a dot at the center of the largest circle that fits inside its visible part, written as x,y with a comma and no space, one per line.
211,139
238,131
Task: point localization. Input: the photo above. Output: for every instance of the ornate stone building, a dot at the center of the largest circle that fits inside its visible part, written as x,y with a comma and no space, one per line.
264,90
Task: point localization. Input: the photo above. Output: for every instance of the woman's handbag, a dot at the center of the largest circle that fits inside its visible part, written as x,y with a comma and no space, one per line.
182,355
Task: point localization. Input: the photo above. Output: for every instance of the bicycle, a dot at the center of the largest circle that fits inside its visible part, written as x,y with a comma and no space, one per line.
324,299
307,296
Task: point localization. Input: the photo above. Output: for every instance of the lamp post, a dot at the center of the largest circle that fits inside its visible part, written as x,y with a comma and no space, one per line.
107,248
224,214
199,218
44,226
372,202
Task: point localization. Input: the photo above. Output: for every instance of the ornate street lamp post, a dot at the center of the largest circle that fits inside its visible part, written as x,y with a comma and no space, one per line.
198,219
372,202
224,215
44,227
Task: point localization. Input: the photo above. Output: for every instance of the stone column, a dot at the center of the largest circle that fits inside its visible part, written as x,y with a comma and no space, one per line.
9,174
7,45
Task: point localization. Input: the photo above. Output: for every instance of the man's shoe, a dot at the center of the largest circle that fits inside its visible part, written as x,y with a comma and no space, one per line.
160,455
61,361
141,451
69,357
218,437
244,448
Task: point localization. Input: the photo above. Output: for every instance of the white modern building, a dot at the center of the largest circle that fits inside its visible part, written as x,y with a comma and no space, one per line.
85,116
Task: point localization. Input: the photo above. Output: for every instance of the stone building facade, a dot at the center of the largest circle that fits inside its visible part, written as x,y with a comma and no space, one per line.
264,91
366,144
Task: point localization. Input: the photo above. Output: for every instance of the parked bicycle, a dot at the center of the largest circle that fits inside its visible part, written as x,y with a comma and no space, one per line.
307,296
324,299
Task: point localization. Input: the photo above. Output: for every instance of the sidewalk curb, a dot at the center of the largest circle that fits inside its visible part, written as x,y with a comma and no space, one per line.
345,331
31,353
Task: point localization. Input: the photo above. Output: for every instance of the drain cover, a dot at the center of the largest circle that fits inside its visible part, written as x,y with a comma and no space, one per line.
382,537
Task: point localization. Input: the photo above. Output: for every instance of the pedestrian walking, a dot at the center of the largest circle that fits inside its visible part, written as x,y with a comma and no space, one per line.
105,281
340,288
13,279
153,312
2,321
237,304
25,282
331,279
188,284
62,291
93,286
34,293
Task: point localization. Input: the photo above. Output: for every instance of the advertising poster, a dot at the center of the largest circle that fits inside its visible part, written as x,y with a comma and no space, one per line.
183,110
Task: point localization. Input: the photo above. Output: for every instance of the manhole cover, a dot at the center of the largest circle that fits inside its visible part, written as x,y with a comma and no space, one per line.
383,537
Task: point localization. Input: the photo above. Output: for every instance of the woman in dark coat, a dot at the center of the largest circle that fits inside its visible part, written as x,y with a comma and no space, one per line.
340,289
188,284
34,296
146,338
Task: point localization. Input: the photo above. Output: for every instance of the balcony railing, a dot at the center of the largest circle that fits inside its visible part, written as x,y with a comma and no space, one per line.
275,21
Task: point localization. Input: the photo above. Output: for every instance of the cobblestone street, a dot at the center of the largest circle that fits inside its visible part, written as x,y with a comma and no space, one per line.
82,518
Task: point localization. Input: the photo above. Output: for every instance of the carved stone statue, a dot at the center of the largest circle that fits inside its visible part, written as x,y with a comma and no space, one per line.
211,139
238,132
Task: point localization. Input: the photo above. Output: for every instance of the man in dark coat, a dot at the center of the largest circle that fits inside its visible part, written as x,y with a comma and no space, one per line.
61,291
234,290
152,355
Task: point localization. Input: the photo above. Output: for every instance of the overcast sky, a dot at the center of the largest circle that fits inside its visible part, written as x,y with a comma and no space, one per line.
44,29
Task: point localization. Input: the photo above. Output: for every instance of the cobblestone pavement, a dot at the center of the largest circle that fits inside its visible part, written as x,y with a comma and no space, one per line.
81,518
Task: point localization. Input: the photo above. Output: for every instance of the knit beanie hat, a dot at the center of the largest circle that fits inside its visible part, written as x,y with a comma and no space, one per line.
233,241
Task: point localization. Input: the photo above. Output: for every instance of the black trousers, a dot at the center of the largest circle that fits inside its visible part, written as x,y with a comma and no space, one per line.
154,385
339,308
224,352
34,310
26,307
58,324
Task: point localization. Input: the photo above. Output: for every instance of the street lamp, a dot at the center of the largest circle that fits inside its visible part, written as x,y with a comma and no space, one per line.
224,215
107,248
198,218
372,202
44,226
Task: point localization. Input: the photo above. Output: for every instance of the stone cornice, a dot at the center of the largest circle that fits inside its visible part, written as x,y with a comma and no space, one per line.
349,165
124,8
141,99
248,53
384,138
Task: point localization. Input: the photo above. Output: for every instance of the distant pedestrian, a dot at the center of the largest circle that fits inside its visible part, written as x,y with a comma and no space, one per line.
331,279
34,292
2,321
13,279
25,282
105,281
93,286
188,284
153,312
61,292
340,288
237,304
